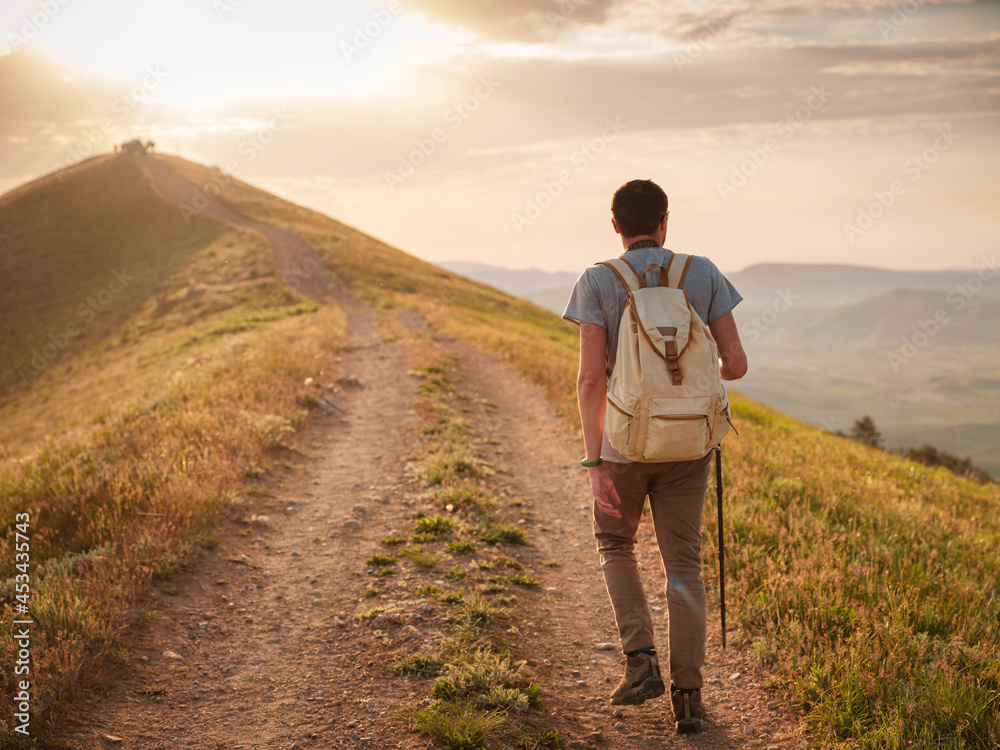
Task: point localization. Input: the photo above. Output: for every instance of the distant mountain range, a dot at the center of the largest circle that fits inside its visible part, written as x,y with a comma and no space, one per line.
919,351
522,282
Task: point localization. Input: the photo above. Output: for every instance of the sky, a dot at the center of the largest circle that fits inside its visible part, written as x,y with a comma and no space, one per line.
856,131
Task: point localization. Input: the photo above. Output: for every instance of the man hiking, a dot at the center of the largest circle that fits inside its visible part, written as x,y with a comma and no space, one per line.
676,489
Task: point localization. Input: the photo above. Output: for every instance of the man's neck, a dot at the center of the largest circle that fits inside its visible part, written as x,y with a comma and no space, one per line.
644,240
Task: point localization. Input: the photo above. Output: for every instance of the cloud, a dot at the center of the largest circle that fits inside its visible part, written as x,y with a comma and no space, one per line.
522,20
34,88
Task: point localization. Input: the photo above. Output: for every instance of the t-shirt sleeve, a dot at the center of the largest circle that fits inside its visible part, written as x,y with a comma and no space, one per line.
724,294
584,304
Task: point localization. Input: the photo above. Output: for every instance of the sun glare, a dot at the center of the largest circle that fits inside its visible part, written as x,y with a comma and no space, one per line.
229,50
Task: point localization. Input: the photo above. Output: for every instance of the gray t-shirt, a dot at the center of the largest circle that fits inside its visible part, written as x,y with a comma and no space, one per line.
600,298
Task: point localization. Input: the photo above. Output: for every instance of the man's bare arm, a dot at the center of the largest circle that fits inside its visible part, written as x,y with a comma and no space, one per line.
592,394
592,386
727,337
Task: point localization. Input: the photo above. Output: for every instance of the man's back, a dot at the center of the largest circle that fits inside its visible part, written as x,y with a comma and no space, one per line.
600,298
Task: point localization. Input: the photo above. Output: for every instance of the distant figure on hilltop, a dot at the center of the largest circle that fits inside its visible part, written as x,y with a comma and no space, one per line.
676,488
135,147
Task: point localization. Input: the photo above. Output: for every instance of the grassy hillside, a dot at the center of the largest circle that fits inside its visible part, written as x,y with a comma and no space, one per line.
867,584
83,253
392,280
113,292
155,419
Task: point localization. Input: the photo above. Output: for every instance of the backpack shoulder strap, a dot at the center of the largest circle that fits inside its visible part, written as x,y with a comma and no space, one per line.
676,270
625,273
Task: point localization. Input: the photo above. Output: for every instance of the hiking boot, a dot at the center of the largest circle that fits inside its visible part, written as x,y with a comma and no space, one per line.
688,710
641,681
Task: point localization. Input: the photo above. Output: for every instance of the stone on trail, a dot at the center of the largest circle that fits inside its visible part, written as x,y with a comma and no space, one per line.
264,521
387,618
553,591
172,656
360,510
352,525
749,729
350,383
605,647
339,623
111,738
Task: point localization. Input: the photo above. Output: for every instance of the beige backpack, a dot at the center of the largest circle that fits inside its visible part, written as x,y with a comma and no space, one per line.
666,401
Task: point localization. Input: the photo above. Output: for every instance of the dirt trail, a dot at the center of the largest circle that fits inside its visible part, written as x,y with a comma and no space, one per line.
254,645
296,260
263,663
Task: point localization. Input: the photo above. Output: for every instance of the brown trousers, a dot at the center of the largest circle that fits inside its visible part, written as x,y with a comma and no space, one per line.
676,493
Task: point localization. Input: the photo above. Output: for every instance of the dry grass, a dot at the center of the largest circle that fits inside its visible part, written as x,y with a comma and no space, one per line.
160,423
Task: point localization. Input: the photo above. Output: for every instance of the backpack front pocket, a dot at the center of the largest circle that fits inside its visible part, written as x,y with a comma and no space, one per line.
678,429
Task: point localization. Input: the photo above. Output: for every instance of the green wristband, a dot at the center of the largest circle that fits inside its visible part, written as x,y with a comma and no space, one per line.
591,464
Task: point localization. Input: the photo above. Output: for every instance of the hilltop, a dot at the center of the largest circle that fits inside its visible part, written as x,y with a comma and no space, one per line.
286,480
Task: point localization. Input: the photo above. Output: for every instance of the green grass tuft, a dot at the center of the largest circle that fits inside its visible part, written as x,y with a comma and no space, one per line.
504,534
380,560
421,557
458,727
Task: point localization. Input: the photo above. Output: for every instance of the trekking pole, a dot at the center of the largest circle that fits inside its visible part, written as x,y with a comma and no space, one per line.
722,541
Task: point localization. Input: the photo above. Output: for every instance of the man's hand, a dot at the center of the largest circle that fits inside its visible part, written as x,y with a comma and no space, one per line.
604,491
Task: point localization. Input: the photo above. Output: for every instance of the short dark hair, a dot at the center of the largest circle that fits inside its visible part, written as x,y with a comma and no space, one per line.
638,207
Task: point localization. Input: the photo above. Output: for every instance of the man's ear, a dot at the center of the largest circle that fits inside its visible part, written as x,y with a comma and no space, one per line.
617,230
